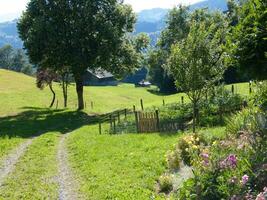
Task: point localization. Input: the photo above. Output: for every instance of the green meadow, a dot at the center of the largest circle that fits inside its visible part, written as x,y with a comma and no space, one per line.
123,166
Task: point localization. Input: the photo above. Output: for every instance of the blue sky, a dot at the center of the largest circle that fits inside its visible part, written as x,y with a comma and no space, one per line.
10,9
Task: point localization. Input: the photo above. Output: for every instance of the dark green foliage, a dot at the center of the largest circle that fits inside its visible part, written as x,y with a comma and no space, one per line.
80,34
248,41
14,59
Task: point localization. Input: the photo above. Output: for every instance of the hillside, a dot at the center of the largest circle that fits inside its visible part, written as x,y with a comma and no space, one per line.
122,166
18,91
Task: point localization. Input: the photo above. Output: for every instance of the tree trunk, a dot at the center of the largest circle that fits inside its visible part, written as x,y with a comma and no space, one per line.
79,90
65,89
194,116
54,95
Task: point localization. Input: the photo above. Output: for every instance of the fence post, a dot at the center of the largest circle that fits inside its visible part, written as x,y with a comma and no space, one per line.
182,99
250,88
110,120
57,104
119,118
136,121
142,105
125,113
163,102
100,128
157,116
133,108
233,89
114,125
92,105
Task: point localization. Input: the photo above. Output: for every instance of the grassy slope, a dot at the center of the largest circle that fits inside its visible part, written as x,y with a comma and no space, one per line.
18,91
108,166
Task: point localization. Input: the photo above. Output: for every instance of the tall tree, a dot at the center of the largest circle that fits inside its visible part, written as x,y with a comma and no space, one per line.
248,41
197,61
80,34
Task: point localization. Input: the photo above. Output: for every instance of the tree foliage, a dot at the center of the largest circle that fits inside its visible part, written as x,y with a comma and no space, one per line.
80,34
197,61
14,59
248,41
45,77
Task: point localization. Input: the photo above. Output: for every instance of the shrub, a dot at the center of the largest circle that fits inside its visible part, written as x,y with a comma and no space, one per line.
247,120
190,145
173,159
165,183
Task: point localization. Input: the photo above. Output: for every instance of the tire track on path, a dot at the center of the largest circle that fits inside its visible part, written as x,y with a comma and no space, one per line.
67,182
8,164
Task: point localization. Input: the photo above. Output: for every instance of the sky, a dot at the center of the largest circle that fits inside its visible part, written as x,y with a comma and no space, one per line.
10,9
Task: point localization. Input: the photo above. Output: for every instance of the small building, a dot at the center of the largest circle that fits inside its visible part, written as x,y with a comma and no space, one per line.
99,77
143,83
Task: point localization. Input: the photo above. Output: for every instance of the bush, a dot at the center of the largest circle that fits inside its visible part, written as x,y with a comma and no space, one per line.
189,146
173,159
165,183
247,120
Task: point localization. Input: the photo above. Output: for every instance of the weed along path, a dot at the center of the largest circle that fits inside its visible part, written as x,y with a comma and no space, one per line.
67,182
9,162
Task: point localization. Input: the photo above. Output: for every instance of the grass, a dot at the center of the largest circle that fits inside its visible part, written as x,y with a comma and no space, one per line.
18,91
119,166
35,174
123,166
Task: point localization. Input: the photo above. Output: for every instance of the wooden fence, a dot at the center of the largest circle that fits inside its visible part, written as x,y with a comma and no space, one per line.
147,122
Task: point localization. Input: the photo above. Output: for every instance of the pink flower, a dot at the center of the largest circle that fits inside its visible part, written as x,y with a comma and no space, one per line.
245,179
260,196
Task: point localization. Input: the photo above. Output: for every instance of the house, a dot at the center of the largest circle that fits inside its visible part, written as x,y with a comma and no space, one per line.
99,77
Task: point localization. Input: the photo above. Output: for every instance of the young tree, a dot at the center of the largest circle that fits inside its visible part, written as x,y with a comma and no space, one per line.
45,77
177,27
80,34
65,81
197,61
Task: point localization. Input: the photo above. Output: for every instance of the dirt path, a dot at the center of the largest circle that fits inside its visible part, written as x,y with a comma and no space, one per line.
9,162
67,183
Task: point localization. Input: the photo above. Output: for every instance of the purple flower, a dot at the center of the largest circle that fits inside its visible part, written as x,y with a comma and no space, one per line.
245,179
229,162
205,156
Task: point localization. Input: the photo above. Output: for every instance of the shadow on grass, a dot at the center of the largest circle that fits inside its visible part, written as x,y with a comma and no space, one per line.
36,121
158,93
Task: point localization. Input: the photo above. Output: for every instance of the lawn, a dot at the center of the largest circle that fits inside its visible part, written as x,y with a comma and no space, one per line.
118,166
108,167
18,93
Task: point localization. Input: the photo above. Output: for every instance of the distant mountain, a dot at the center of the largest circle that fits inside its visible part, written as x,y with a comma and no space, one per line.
153,21
152,15
150,21
211,4
9,34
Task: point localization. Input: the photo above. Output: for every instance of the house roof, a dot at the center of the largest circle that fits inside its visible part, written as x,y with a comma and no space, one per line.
100,73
